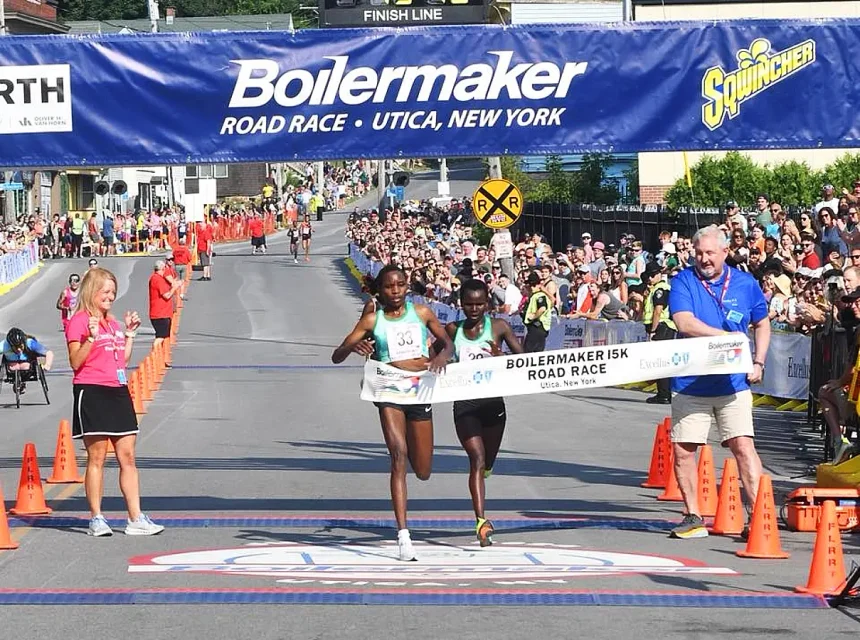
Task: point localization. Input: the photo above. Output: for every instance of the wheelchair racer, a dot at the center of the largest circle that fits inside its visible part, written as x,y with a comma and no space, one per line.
22,352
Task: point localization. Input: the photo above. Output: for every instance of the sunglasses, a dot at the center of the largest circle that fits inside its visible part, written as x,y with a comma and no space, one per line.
855,256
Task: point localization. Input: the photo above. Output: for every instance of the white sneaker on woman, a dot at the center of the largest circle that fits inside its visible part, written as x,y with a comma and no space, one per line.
143,526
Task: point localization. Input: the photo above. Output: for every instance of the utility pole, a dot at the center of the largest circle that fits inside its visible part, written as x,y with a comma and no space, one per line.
495,166
443,189
381,186
153,15
2,18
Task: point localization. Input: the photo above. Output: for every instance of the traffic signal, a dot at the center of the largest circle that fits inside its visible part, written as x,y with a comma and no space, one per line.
400,178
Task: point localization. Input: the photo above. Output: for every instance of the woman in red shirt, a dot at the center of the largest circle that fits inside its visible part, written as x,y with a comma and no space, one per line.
99,352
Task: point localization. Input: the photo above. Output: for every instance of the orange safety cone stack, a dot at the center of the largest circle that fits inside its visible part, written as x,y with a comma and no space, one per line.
145,382
658,470
672,492
65,463
764,530
6,541
827,571
730,510
137,393
158,360
151,373
31,498
707,485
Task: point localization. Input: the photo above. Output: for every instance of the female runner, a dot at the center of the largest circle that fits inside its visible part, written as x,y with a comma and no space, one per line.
68,299
397,334
480,423
306,231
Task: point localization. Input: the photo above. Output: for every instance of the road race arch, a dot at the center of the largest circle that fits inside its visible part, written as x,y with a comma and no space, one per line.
481,90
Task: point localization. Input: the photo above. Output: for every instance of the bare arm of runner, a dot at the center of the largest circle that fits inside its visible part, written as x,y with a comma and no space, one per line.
61,300
504,333
357,341
443,342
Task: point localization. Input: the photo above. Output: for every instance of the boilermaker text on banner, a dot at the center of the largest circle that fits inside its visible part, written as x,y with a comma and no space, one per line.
427,92
560,370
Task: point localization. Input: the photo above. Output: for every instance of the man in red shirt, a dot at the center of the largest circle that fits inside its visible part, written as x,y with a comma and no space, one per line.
810,259
204,249
161,303
181,260
258,237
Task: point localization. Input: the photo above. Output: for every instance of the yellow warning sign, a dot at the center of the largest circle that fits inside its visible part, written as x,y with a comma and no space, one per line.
497,203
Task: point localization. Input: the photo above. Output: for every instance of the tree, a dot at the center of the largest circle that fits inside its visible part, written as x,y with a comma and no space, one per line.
591,183
558,186
631,175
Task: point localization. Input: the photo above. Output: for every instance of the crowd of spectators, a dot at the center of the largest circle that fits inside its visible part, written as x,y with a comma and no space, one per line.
804,263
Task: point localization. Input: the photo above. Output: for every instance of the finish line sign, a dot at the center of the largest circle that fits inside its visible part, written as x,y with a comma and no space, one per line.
180,98
560,370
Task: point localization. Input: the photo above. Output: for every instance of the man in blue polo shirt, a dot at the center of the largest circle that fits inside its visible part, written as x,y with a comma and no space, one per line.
711,299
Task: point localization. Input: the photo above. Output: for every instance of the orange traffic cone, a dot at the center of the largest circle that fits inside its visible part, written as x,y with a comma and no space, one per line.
730,510
707,485
827,572
65,463
6,541
145,382
658,469
764,530
137,393
31,498
672,492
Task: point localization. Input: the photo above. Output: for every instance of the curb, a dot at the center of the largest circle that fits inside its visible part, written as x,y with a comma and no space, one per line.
6,288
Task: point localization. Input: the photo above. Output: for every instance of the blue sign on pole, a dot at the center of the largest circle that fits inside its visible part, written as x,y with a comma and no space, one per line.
11,186
436,92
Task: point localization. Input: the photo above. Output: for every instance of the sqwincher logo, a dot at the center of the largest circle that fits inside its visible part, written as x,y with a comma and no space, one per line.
758,69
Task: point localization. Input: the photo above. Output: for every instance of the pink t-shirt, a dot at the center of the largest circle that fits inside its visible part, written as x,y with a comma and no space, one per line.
107,355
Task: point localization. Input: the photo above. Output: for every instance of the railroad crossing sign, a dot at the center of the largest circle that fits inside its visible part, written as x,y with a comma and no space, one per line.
497,203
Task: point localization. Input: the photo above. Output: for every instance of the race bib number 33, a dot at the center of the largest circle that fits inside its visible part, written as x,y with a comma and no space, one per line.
404,341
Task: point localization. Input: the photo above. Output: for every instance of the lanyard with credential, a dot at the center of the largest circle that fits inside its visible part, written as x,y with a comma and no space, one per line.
121,376
719,301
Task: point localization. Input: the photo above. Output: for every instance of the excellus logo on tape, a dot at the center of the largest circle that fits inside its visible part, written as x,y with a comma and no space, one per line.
261,81
758,70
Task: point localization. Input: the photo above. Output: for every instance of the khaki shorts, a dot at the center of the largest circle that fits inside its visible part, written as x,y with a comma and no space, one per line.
692,417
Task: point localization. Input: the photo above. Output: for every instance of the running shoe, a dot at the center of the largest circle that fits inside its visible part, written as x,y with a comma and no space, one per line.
99,527
692,526
484,530
405,550
143,526
842,451
487,473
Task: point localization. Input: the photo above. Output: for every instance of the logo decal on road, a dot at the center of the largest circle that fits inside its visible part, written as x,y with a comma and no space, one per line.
439,565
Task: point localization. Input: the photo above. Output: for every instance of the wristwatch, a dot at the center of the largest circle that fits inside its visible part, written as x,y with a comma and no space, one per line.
761,364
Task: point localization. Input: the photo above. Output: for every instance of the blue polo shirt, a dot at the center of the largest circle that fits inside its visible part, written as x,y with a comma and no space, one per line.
742,304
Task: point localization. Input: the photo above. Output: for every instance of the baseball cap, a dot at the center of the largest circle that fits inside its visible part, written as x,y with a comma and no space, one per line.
853,296
583,268
731,204
599,245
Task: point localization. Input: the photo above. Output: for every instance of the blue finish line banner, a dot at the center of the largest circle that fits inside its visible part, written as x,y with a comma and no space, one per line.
427,92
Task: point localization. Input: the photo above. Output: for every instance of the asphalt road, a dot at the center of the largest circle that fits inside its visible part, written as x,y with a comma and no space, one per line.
257,446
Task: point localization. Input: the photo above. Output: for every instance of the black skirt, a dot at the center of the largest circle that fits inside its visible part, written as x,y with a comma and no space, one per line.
103,411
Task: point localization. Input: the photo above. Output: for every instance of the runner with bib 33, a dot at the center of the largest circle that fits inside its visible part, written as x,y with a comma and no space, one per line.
480,423
398,334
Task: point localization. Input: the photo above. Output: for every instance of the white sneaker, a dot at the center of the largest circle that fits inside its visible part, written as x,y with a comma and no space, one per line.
99,527
406,550
296,260
143,526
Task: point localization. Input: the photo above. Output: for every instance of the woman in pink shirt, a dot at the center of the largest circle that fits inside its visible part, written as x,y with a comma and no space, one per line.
99,352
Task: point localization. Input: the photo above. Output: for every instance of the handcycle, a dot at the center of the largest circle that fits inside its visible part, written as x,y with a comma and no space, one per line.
18,377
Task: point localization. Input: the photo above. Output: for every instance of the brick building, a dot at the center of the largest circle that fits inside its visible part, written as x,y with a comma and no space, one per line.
32,17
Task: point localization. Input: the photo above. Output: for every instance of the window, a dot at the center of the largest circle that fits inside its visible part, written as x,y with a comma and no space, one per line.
86,193
206,171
